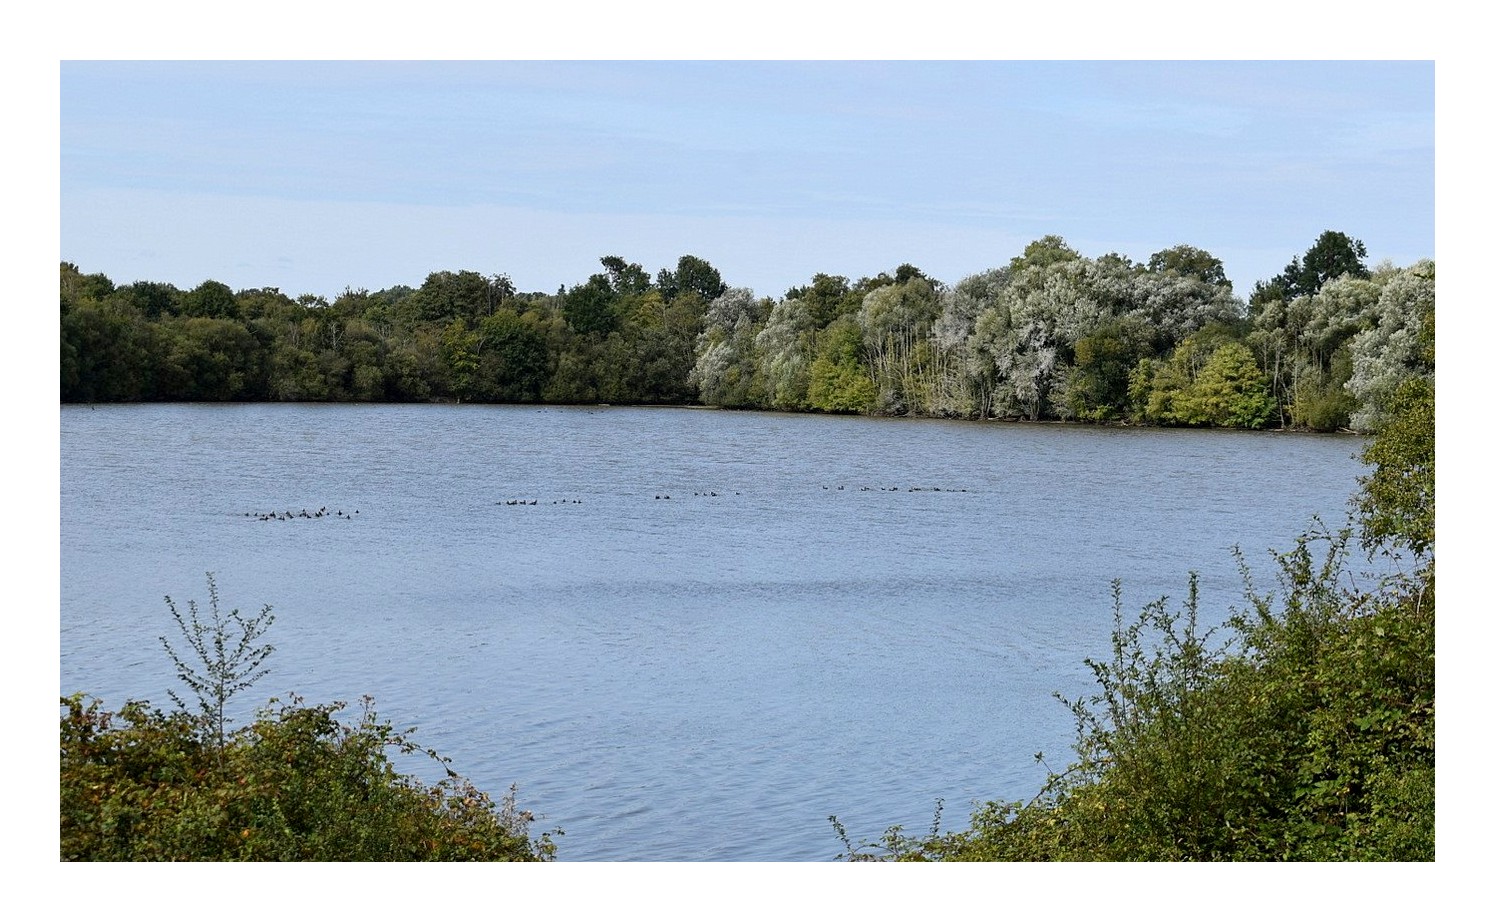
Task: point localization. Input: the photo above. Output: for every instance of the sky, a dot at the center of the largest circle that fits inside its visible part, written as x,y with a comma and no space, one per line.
314,177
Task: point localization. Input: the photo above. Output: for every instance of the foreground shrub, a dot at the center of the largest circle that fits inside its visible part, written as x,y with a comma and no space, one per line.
297,784
1308,735
1313,741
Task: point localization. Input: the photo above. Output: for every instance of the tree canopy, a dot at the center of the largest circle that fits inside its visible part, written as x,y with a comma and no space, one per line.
1050,334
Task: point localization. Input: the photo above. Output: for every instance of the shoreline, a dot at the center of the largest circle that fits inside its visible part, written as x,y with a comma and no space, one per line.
1006,420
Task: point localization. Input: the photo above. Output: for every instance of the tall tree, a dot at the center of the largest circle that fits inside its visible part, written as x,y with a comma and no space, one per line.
512,356
77,287
151,300
1397,348
1045,251
896,321
727,362
447,296
625,277
785,350
1332,255
692,273
210,299
1397,500
826,297
1104,360
593,307
1191,262
959,388
839,381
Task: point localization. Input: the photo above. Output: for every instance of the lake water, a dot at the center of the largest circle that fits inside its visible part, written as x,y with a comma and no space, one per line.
826,615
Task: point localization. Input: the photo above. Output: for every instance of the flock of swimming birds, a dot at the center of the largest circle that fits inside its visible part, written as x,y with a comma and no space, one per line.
303,514
322,513
712,494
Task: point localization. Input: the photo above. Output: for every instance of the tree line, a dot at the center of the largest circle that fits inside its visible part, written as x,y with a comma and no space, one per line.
1052,334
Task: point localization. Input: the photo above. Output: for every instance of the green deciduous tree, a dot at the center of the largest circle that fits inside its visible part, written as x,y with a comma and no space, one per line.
210,299
593,308
959,385
896,321
692,274
827,297
1104,361
295,374
445,296
1191,262
459,348
1024,339
839,380
624,277
107,354
1171,307
152,300
513,360
1229,391
78,288
1210,380
1332,255
1046,251
204,358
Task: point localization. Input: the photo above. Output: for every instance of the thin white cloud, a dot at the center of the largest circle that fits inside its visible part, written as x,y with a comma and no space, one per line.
883,153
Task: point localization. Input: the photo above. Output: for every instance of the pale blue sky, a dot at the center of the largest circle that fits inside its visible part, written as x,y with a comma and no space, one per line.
313,177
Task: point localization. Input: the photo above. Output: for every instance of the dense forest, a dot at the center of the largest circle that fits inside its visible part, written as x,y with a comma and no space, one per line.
1050,335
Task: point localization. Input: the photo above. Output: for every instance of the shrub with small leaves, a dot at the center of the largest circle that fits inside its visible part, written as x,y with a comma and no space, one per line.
227,662
296,784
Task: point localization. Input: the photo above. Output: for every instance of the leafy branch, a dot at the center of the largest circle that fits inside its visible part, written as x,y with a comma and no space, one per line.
223,659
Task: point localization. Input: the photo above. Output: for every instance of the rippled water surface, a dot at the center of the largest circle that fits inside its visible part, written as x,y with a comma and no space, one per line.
827,615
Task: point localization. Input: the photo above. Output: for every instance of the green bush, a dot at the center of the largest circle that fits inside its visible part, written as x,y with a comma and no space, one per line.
1207,384
296,784
1308,735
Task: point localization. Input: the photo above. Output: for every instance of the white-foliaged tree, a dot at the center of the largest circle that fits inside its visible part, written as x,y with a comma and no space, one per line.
1390,352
